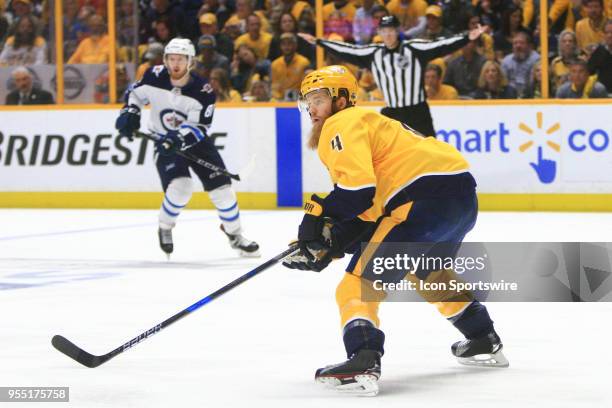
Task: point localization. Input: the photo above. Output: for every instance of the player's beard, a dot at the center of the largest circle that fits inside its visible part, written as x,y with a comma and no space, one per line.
315,132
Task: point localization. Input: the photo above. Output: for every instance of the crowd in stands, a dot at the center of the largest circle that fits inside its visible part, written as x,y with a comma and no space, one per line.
250,51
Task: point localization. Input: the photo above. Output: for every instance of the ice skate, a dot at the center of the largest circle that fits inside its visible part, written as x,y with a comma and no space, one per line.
246,248
165,241
358,375
484,351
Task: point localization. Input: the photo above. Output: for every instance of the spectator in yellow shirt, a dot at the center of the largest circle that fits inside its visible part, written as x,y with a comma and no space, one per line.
288,70
296,8
244,8
434,87
255,38
220,83
154,55
344,6
96,48
407,11
590,30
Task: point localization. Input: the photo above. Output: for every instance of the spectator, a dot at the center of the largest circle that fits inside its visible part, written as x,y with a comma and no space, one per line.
288,70
338,23
590,30
306,22
433,24
96,48
296,8
21,8
209,58
25,92
534,88
255,38
154,55
288,24
126,23
517,66
434,87
407,12
561,15
486,41
457,14
245,68
75,26
163,31
493,84
259,92
490,13
244,9
568,51
173,15
220,11
344,7
580,85
220,83
600,62
510,25
462,72
4,26
25,47
209,26
364,25
101,87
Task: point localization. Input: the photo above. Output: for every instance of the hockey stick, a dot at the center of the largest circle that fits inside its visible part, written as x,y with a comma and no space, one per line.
193,158
89,360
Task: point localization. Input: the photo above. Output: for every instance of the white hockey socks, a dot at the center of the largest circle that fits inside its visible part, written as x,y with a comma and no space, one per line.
224,199
177,196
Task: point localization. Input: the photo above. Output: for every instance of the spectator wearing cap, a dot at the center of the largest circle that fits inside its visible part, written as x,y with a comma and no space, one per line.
94,49
580,84
433,24
209,26
255,38
399,68
568,51
434,87
244,9
600,62
25,92
288,70
344,7
208,57
154,55
288,24
517,66
462,72
590,30
25,47
364,23
408,12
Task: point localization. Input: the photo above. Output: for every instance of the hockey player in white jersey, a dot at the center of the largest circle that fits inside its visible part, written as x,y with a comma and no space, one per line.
182,107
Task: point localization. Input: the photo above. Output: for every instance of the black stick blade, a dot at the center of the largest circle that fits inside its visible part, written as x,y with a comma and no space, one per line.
67,347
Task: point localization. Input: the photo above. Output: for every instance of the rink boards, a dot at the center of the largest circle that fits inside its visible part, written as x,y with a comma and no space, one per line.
551,155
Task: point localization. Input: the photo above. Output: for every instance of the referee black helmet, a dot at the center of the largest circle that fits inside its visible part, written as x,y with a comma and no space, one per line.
388,21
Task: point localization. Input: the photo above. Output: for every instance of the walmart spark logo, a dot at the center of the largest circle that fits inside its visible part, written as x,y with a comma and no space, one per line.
545,169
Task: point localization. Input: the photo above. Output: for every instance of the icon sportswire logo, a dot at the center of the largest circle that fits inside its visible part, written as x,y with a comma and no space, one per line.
546,169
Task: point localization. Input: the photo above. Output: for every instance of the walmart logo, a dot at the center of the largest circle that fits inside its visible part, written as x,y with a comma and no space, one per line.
545,169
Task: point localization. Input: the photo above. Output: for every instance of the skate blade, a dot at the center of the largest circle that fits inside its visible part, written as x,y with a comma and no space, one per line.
365,385
246,254
485,360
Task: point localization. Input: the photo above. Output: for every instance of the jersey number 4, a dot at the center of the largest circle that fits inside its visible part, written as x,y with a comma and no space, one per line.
336,143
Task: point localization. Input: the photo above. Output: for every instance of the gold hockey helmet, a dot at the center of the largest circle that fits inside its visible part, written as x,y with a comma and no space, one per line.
333,78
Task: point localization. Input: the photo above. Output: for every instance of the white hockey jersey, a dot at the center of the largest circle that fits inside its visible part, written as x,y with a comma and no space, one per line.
188,109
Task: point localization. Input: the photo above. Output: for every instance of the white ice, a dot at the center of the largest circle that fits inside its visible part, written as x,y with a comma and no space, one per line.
99,278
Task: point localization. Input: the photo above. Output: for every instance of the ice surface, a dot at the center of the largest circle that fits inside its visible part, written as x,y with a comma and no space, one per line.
99,278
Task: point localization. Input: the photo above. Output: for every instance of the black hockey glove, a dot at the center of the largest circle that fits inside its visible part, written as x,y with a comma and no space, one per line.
170,143
128,121
316,244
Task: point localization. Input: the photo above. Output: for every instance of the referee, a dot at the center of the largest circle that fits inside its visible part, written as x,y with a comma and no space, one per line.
399,68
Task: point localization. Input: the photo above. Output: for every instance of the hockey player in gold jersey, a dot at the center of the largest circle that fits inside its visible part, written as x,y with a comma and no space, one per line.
391,184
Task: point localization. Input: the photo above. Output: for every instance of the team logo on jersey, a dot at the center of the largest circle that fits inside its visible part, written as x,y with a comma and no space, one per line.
171,119
336,143
158,69
207,88
402,61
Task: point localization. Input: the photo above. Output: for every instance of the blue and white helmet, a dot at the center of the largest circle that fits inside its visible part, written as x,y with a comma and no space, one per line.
180,46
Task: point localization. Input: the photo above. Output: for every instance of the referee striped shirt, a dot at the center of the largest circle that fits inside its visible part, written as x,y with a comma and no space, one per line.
399,72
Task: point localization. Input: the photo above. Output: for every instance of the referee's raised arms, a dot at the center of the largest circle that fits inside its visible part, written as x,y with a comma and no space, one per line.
399,72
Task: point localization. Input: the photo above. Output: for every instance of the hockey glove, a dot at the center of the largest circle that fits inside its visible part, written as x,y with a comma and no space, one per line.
172,142
128,121
310,259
